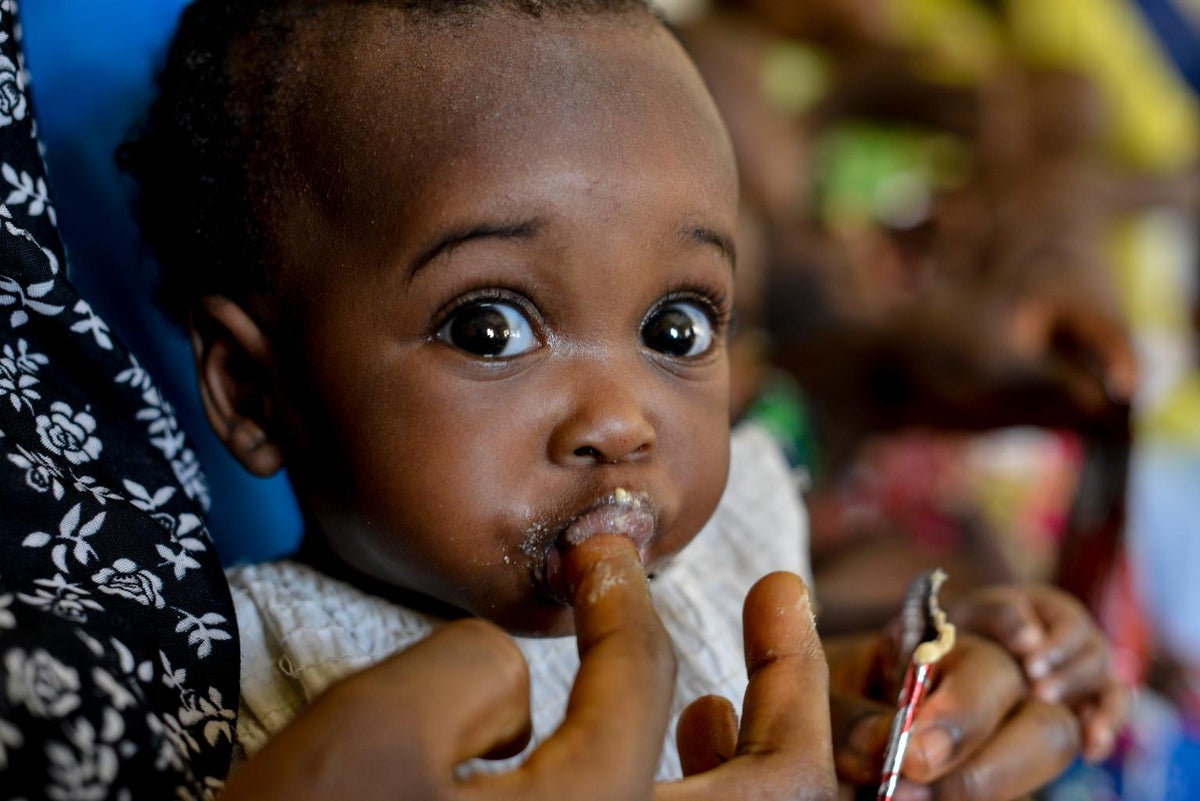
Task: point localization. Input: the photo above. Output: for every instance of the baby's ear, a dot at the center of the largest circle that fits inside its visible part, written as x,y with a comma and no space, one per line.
233,365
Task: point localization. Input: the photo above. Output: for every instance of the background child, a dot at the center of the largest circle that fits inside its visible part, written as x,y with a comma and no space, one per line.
467,272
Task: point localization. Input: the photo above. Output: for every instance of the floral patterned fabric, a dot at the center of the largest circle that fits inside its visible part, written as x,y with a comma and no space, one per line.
118,649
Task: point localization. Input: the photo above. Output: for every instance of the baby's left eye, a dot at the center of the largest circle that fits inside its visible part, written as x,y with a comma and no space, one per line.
679,328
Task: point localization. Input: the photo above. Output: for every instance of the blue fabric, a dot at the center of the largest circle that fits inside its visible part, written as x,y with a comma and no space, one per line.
92,67
1178,35
1164,543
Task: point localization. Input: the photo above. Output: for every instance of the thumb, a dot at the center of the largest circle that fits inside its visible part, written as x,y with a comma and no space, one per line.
405,722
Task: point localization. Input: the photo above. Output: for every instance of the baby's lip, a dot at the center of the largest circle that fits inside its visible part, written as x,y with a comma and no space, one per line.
620,512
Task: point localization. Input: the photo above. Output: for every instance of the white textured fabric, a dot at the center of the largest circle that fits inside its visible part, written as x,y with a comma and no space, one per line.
302,630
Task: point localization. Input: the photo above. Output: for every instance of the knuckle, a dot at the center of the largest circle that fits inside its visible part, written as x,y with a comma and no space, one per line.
808,779
483,635
825,788
651,644
657,645
820,790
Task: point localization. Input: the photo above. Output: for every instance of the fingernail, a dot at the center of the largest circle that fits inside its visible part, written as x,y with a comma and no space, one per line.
935,744
911,791
1038,667
600,557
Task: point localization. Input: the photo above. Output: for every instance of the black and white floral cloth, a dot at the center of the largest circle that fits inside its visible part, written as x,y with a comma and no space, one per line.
118,648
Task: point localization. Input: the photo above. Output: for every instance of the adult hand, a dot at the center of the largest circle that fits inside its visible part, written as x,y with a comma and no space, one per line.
1064,654
978,735
397,730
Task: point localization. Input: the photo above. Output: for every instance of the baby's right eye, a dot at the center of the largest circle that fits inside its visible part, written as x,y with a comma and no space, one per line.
491,329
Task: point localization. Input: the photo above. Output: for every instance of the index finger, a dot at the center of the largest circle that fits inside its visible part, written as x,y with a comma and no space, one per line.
627,670
617,714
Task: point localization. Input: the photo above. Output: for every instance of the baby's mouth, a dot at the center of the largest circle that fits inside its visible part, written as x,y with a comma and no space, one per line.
621,512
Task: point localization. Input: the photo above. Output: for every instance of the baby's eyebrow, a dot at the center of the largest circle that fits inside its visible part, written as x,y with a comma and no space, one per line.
708,236
455,237
448,240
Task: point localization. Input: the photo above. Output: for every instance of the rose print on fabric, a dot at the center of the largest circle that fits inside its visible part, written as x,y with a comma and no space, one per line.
124,578
45,686
13,104
117,641
69,433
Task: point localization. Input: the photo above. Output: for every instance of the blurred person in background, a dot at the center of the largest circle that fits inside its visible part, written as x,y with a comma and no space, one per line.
968,248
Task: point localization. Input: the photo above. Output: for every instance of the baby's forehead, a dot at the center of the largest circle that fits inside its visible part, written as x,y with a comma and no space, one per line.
383,107
389,73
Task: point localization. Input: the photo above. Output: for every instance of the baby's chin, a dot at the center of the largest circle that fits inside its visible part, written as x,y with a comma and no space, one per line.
535,617
547,610
553,615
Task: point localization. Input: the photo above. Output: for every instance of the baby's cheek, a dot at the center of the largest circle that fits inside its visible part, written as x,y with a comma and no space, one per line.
706,478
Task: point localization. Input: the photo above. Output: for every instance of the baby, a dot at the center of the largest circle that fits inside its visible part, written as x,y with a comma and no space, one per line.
466,269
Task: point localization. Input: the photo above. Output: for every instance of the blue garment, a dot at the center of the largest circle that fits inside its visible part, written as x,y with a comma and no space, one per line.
1178,35
92,67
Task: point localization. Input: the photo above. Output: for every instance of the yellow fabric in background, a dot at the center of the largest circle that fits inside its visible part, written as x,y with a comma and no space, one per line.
1155,125
960,42
1154,254
1152,273
1177,420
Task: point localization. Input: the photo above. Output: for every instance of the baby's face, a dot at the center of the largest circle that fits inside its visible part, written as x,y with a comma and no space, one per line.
513,270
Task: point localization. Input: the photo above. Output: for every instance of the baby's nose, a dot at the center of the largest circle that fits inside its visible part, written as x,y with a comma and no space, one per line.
607,422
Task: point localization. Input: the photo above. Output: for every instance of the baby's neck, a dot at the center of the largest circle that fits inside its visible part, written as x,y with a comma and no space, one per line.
315,552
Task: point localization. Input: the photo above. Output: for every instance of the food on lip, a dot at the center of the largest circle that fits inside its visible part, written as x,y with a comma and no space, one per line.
620,512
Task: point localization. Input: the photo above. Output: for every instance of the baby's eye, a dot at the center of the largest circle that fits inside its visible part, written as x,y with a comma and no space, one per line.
491,329
679,328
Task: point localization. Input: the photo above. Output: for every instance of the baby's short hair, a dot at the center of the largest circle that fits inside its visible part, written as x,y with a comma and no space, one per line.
203,187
